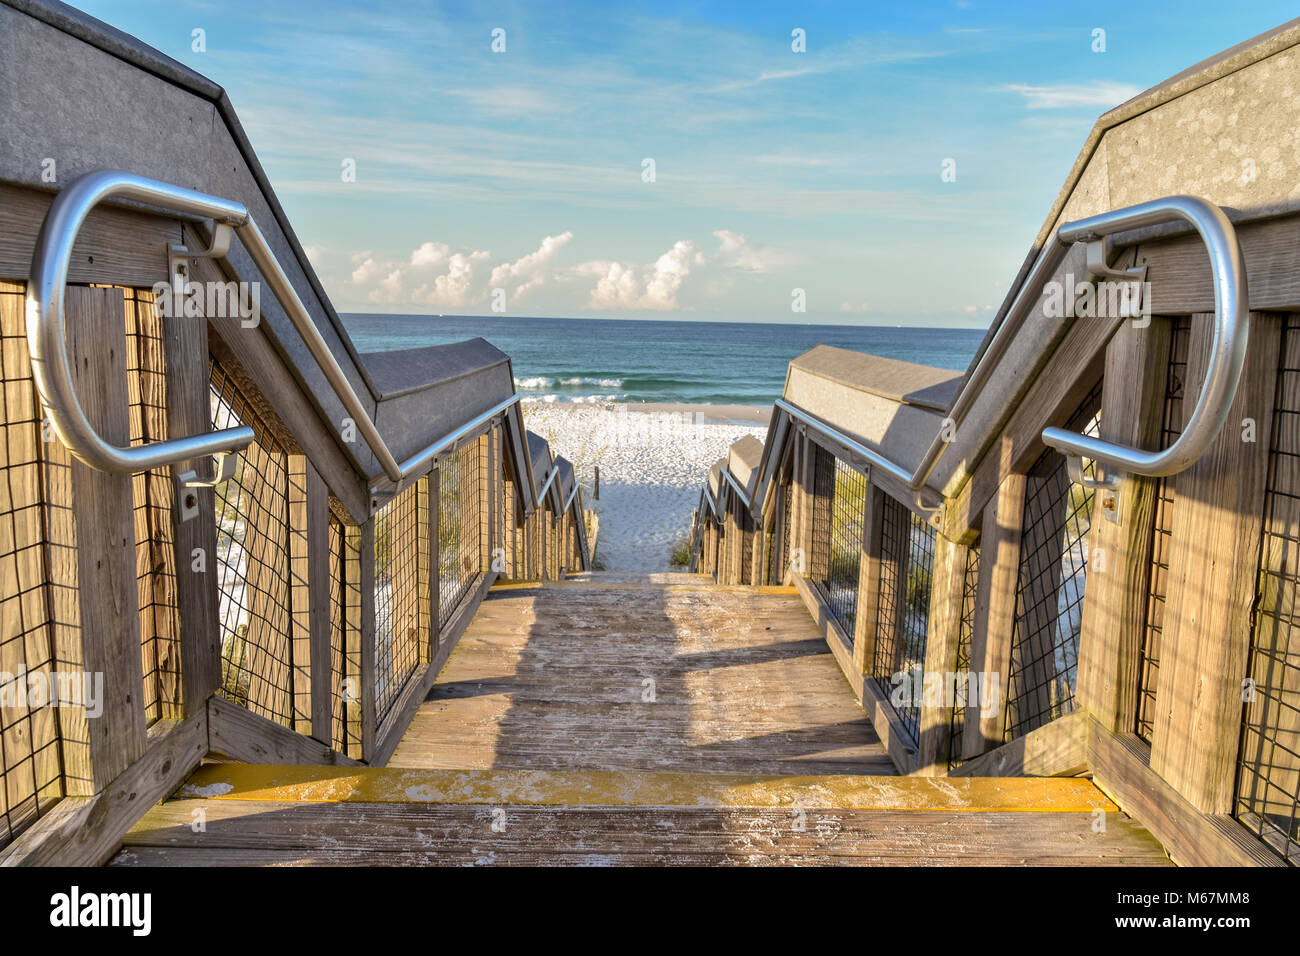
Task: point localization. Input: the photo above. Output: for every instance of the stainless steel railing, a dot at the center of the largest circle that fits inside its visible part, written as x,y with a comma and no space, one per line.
1227,354
47,342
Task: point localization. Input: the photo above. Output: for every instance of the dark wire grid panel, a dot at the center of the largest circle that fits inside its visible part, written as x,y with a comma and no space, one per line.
903,614
1268,769
1050,588
401,593
1153,630
965,633
253,552
31,772
840,494
153,503
459,508
345,637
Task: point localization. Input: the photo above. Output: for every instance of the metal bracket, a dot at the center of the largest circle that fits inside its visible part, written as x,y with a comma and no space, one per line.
1099,269
223,469
1107,484
179,256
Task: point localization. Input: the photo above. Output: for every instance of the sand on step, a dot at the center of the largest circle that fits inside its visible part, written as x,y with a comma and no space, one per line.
653,461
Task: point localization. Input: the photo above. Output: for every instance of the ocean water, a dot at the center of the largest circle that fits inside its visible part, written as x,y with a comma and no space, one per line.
605,360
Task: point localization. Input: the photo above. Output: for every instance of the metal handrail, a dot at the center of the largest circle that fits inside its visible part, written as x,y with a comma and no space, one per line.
47,343
1227,353
541,492
569,501
1227,349
46,324
448,441
731,480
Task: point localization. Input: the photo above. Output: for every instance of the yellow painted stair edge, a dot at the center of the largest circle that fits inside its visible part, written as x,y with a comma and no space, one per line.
311,784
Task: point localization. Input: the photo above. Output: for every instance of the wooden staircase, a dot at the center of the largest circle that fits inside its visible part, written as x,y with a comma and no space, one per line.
653,719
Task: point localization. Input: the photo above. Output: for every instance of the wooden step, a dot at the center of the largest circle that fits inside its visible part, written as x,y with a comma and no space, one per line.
257,815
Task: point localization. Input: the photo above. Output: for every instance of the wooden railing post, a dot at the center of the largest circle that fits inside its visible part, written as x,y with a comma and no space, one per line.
1119,576
107,598
320,626
1213,569
868,614
300,560
189,412
947,589
435,557
995,608
368,672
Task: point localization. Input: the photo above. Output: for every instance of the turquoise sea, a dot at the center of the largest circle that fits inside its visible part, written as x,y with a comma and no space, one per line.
607,360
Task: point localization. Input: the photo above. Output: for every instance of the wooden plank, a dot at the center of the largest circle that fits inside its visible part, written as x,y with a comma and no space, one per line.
243,735
1192,838
1218,499
947,592
739,679
266,783
1114,614
1056,749
319,636
86,831
116,246
265,832
995,607
107,593
185,347
1182,284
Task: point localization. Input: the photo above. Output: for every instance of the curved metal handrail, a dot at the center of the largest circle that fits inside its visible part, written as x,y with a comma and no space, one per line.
46,324
46,331
1227,349
1227,353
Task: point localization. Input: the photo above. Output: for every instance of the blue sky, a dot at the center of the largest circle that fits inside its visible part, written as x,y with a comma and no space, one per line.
774,170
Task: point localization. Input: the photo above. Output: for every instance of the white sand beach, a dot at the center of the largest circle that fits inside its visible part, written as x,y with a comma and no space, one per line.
653,460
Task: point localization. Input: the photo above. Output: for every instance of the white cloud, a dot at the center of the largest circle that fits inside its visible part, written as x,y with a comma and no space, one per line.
1104,94
654,287
532,270
436,274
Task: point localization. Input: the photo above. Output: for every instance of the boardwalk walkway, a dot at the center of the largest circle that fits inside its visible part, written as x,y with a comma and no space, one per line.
642,719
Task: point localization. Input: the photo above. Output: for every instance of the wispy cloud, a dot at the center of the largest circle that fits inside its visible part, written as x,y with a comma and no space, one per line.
1099,94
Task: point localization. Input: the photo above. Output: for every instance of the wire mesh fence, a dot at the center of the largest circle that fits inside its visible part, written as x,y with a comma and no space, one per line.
153,501
1268,774
345,637
31,771
459,532
1161,526
839,515
401,593
965,633
253,551
1050,585
907,546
